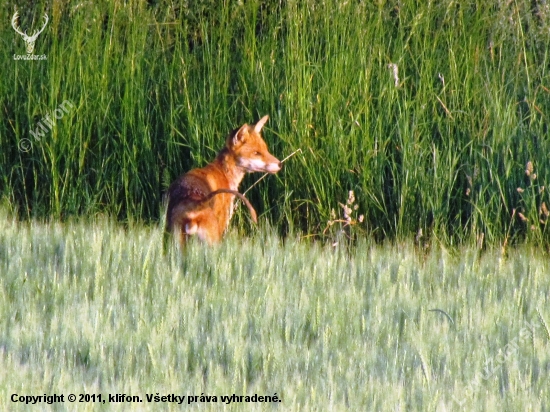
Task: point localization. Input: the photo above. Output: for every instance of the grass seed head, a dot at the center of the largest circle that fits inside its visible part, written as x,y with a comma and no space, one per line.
522,217
529,168
351,197
544,209
395,71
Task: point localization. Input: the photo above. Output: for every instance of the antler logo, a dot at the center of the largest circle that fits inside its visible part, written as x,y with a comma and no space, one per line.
29,40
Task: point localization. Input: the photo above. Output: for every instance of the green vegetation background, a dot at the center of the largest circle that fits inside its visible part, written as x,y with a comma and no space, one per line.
428,111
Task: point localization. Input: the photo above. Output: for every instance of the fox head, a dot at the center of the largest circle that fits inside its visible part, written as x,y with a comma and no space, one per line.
250,150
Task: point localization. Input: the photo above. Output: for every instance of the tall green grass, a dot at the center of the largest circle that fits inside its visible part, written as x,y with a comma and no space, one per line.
442,148
96,308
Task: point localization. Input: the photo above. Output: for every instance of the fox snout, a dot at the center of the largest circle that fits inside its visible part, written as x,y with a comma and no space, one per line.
259,162
273,167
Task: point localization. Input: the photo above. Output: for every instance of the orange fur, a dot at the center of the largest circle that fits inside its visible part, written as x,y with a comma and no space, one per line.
201,201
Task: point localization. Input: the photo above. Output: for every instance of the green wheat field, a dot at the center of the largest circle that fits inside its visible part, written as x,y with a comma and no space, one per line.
402,256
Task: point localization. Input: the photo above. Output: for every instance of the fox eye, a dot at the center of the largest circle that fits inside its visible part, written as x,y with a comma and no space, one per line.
257,153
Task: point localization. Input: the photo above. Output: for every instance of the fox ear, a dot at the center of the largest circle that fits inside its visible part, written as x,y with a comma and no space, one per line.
240,135
258,126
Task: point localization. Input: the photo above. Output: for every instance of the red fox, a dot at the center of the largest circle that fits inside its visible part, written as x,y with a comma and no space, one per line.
201,201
